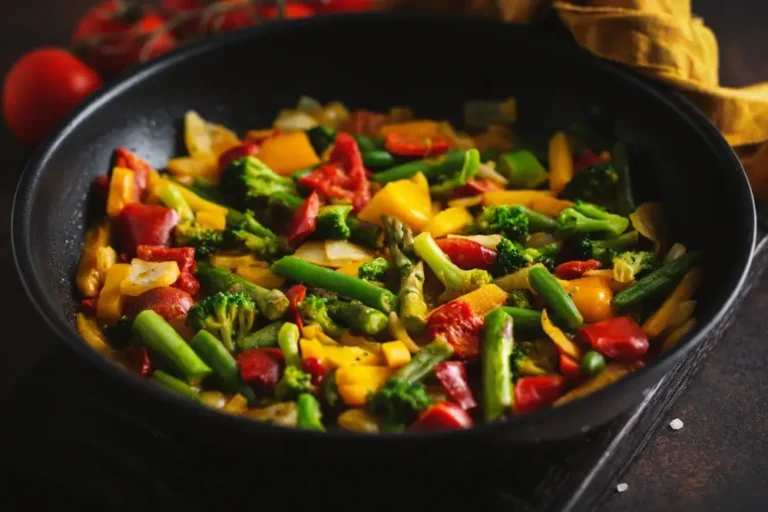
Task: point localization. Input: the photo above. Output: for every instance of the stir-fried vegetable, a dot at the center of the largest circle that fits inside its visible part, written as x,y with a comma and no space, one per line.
379,272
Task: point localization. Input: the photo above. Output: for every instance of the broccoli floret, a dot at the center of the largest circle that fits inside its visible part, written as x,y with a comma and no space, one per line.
205,240
586,248
332,222
630,265
293,383
512,256
520,299
262,246
545,255
595,184
531,358
374,270
247,222
249,179
397,403
120,333
510,221
589,218
229,316
315,309
456,281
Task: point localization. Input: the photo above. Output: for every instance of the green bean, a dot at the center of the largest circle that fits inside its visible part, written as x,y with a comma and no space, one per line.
658,282
556,297
527,320
432,168
378,159
263,338
592,363
498,342
288,341
424,361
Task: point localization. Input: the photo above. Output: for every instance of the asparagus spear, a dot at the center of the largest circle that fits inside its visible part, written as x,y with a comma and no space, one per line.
432,168
358,316
424,361
498,342
263,338
413,309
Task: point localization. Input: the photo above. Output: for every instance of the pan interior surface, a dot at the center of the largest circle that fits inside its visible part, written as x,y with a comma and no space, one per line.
432,65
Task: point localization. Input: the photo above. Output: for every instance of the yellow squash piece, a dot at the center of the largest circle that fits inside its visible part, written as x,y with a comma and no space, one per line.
350,340
194,201
311,349
109,306
91,333
121,188
148,275
403,199
517,280
564,344
395,353
213,399
205,165
354,394
105,258
541,201
485,299
683,291
288,152
340,356
358,420
398,331
466,202
235,262
560,162
238,404
610,374
418,129
356,382
448,222
260,276
88,278
352,269
211,220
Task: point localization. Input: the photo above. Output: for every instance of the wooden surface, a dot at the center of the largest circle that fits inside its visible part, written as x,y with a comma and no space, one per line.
718,461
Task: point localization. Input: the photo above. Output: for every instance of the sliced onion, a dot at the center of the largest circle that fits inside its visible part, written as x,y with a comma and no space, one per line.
540,239
309,106
488,171
313,252
346,252
293,121
489,241
517,280
675,252
684,312
459,141
648,220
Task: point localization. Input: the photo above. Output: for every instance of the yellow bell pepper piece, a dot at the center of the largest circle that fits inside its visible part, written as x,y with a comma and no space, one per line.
421,180
148,275
564,344
677,334
448,222
497,136
235,262
213,399
194,201
212,220
340,356
395,353
352,269
120,194
403,199
105,258
109,306
204,165
238,404
222,139
398,331
560,162
419,128
201,137
88,278
610,374
259,134
260,276
539,200
436,208
288,152
485,299
356,382
354,394
153,180
315,333
683,291
311,349
91,333
350,340
466,202
358,420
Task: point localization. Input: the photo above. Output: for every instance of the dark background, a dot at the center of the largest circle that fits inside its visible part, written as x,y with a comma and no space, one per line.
718,461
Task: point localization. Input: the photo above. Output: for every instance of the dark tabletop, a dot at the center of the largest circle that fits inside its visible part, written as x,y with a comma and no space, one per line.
717,461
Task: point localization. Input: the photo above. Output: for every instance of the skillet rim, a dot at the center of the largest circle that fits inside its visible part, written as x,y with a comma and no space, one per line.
26,191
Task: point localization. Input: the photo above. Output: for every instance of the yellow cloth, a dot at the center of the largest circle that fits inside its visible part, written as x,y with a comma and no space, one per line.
662,39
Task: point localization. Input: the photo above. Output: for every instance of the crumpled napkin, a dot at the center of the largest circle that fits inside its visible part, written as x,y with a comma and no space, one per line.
661,39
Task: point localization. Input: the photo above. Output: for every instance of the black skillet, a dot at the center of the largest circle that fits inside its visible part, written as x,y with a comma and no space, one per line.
433,64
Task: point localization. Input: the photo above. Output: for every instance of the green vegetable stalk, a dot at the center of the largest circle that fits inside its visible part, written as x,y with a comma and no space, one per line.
433,168
271,303
424,361
525,320
658,282
498,342
172,198
288,341
358,316
625,200
174,385
378,159
314,309
309,414
556,297
300,271
263,338
229,315
158,335
215,355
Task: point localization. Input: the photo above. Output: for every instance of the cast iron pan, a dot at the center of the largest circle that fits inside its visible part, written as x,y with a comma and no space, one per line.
375,61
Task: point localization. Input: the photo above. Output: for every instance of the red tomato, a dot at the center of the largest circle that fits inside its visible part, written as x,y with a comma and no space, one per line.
292,11
334,6
213,16
41,88
130,34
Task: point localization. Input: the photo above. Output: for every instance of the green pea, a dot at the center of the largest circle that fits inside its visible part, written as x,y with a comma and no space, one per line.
592,363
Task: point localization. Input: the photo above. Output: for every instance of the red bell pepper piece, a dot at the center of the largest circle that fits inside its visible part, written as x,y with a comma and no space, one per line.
184,256
346,154
364,122
295,295
453,376
619,338
145,224
329,180
315,368
476,187
101,189
535,393
569,367
405,145
467,254
586,158
443,416
140,168
238,152
576,269
304,219
138,359
88,306
459,326
261,367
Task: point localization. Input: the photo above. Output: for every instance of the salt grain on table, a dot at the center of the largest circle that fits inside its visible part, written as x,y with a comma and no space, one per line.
622,487
676,424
